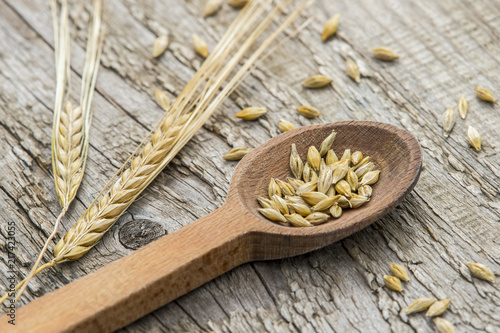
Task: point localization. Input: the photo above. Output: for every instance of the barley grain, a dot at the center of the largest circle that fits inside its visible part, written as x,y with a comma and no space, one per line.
438,308
301,209
361,171
272,214
266,203
352,180
316,81
273,188
162,99
420,305
280,203
307,187
343,187
449,118
330,27
296,164
325,203
343,202
357,201
307,173
331,191
159,46
212,7
352,70
200,46
485,95
295,200
336,211
298,221
474,138
340,171
393,283
251,113
384,54
325,180
356,157
444,326
463,107
313,158
370,178
286,189
236,154
313,198
331,157
362,163
481,271
317,218
308,111
327,143
237,3
284,125
399,271
365,190
346,156
295,183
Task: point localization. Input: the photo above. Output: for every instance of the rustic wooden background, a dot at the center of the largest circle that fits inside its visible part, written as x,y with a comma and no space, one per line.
447,47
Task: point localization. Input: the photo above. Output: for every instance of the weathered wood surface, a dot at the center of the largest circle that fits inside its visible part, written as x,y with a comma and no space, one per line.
452,216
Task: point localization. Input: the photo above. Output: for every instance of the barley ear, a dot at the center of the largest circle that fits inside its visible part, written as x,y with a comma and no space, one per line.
71,124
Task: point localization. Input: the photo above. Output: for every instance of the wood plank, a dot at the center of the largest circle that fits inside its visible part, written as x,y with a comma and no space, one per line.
452,216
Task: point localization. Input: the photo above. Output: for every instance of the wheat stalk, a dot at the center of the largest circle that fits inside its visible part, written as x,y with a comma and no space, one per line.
195,104
71,125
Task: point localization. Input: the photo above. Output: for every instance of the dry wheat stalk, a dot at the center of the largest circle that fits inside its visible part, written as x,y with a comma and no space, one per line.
195,104
71,124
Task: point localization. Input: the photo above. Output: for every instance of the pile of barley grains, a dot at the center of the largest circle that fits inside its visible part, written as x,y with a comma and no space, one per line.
321,188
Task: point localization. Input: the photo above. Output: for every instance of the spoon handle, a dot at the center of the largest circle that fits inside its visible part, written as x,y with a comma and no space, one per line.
137,284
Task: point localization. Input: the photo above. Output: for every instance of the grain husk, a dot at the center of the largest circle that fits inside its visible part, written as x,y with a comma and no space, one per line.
251,113
285,126
330,27
449,119
272,214
474,138
316,81
438,308
326,145
308,111
393,283
485,95
236,154
212,7
463,107
384,54
200,46
420,305
162,99
481,271
352,70
298,221
399,271
160,45
444,326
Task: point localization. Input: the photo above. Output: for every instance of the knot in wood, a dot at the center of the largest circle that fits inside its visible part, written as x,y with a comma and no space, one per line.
137,233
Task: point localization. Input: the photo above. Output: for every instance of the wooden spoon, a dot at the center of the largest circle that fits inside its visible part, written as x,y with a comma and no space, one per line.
234,234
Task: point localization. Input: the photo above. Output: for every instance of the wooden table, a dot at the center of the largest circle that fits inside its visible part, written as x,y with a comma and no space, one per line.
452,217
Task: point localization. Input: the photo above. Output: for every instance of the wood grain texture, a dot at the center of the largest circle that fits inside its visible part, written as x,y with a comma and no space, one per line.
450,218
234,234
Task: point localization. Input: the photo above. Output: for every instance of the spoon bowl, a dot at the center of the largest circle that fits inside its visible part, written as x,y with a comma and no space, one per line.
173,265
396,153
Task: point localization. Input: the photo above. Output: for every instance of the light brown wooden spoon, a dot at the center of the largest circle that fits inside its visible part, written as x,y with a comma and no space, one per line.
234,234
